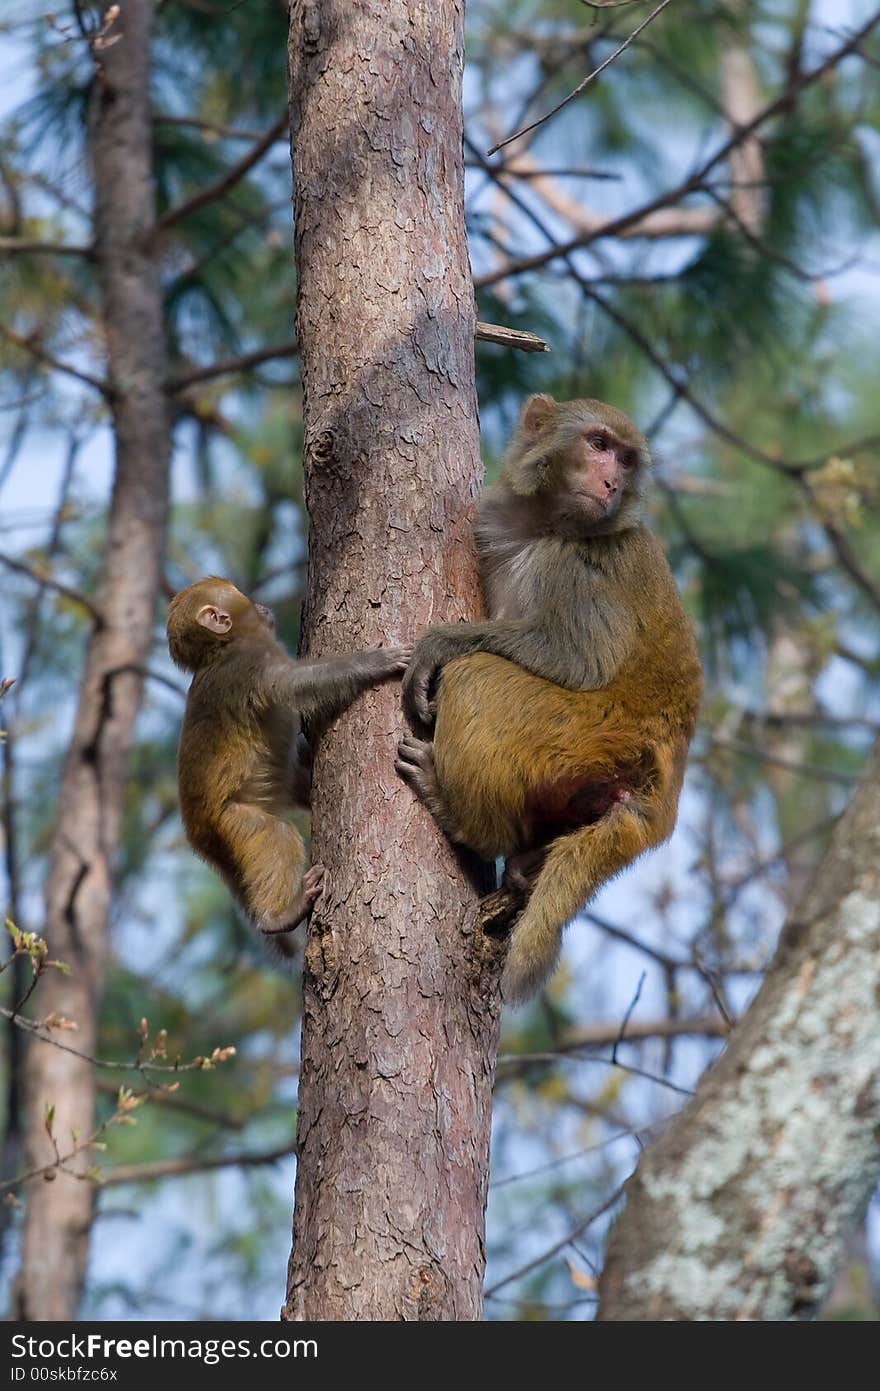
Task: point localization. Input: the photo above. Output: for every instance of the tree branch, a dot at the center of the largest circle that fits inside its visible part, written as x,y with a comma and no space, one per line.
42,577
25,246
581,85
177,1168
233,364
510,338
29,345
694,182
228,180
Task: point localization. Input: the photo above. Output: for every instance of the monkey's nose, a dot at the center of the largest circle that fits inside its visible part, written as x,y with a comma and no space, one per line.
611,485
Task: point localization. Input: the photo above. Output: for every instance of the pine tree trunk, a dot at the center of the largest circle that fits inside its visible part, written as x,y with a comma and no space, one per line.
743,1210
90,798
400,992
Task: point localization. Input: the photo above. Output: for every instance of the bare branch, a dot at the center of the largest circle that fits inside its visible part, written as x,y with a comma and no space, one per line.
233,364
43,578
37,1029
510,338
581,85
557,1246
515,1063
791,765
227,181
694,182
210,128
842,548
601,1035
24,246
30,345
177,1168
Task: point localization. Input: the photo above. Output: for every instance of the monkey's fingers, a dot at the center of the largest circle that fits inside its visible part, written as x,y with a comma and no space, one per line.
310,890
417,706
410,757
399,658
313,881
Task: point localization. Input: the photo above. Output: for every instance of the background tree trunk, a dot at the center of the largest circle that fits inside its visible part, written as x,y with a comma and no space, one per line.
90,798
743,1209
401,1000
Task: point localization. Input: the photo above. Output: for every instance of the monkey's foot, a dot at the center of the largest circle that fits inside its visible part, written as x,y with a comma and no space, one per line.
521,870
415,764
312,884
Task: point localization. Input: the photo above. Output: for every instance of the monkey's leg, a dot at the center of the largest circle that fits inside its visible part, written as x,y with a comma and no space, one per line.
415,764
312,884
269,858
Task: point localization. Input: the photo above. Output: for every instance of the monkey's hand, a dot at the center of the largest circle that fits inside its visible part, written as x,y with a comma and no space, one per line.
431,654
382,662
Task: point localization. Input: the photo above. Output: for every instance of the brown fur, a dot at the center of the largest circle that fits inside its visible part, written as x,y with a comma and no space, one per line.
588,763
242,762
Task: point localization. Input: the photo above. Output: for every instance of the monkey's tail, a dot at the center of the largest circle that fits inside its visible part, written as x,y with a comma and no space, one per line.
576,865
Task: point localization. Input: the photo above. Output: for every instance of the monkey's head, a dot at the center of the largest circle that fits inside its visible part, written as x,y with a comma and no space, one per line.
583,462
208,616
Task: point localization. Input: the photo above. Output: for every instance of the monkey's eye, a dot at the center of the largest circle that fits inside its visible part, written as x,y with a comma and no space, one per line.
628,459
596,441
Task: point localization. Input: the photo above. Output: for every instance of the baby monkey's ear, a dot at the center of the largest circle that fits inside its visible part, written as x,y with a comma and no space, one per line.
214,619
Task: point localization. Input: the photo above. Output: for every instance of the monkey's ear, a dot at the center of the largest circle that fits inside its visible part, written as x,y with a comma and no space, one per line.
536,413
214,619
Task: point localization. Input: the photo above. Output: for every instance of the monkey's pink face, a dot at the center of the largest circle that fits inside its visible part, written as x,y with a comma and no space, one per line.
601,471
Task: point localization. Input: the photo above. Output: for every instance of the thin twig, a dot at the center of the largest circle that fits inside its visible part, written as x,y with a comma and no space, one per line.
25,246
228,180
46,581
630,1007
38,1030
177,1168
557,1246
581,85
517,1061
28,345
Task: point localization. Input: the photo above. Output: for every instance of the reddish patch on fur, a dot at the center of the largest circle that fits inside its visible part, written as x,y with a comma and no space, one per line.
557,808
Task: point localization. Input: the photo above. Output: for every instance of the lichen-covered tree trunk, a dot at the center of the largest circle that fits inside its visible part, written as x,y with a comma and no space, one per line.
400,992
743,1209
58,1214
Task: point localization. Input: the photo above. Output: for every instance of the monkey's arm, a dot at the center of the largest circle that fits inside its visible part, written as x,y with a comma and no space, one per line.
322,690
579,646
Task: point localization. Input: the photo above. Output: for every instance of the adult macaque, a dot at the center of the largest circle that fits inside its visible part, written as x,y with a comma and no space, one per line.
243,762
563,721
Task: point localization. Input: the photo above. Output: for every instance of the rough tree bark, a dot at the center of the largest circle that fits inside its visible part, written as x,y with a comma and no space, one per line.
58,1215
744,1207
400,992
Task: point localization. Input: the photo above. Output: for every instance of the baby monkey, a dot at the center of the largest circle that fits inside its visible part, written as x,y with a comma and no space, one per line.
243,764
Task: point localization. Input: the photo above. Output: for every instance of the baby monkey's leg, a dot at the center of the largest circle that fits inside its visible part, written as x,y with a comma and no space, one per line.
269,858
302,905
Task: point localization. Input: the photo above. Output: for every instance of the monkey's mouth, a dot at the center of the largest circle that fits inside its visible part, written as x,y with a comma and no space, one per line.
604,504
